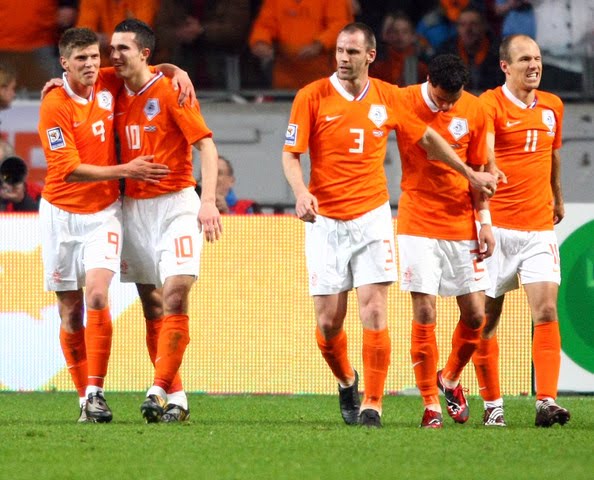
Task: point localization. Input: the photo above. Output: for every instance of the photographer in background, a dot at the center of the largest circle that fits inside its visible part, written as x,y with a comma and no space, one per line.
16,194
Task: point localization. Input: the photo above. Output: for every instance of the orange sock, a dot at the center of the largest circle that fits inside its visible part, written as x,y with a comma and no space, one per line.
98,340
486,366
546,354
424,356
75,353
334,351
171,346
376,360
153,327
464,342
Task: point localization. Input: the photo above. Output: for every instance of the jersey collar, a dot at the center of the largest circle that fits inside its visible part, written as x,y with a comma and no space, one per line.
425,92
515,100
342,91
146,86
74,96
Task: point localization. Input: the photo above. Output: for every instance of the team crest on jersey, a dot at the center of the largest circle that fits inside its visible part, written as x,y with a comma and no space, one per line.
291,135
56,138
548,118
458,127
152,108
105,100
378,115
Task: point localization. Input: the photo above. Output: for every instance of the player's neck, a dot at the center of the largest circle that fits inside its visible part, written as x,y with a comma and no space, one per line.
83,91
139,79
355,86
525,96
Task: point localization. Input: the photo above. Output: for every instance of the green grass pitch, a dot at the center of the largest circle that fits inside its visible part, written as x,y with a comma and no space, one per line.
286,437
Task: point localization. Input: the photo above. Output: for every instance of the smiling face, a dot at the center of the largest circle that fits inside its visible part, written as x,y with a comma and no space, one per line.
82,67
126,56
523,69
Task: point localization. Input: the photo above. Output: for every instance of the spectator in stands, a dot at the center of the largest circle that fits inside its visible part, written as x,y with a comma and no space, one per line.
6,149
296,38
7,86
28,37
518,17
565,33
399,63
226,199
201,36
478,49
16,194
102,16
373,12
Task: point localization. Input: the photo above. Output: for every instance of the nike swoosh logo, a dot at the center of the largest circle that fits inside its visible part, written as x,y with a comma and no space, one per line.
181,262
77,124
416,363
511,124
107,257
329,118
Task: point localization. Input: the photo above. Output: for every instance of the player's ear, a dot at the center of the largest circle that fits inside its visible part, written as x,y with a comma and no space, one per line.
371,54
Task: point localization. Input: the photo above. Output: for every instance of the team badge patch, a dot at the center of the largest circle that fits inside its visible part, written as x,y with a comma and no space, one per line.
548,118
291,135
152,108
105,100
378,115
458,127
56,138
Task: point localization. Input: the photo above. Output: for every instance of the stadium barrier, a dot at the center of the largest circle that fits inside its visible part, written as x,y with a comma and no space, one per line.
252,321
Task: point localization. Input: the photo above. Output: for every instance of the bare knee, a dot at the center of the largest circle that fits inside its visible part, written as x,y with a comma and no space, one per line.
96,298
545,312
474,319
425,314
373,315
71,312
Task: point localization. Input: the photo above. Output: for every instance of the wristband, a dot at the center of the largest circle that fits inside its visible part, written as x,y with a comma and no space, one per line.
484,217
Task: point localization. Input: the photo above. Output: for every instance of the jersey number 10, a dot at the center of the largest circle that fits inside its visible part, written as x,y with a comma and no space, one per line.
133,136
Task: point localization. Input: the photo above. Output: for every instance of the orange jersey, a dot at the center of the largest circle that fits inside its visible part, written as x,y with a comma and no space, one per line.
525,137
74,130
347,139
27,27
150,122
436,200
103,15
290,25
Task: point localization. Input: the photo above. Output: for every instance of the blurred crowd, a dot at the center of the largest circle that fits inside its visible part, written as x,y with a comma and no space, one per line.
285,44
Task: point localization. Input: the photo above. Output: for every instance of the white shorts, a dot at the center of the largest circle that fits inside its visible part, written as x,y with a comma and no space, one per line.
440,267
342,254
534,256
161,237
74,243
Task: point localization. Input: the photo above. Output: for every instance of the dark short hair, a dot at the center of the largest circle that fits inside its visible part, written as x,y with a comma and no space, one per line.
145,37
448,71
76,38
367,33
13,170
7,74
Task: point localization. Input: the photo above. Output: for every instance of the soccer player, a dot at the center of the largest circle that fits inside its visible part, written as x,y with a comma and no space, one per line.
345,121
80,212
163,222
440,253
525,127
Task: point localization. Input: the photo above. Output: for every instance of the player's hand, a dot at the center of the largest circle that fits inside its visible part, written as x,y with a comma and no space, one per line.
484,182
142,168
209,221
486,242
310,51
264,51
558,213
498,174
181,81
306,207
50,85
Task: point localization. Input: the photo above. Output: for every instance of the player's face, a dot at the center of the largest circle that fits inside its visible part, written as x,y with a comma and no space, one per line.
352,56
126,57
82,66
524,71
443,99
7,94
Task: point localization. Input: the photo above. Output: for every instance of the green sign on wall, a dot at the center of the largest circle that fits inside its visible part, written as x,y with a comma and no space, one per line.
576,296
